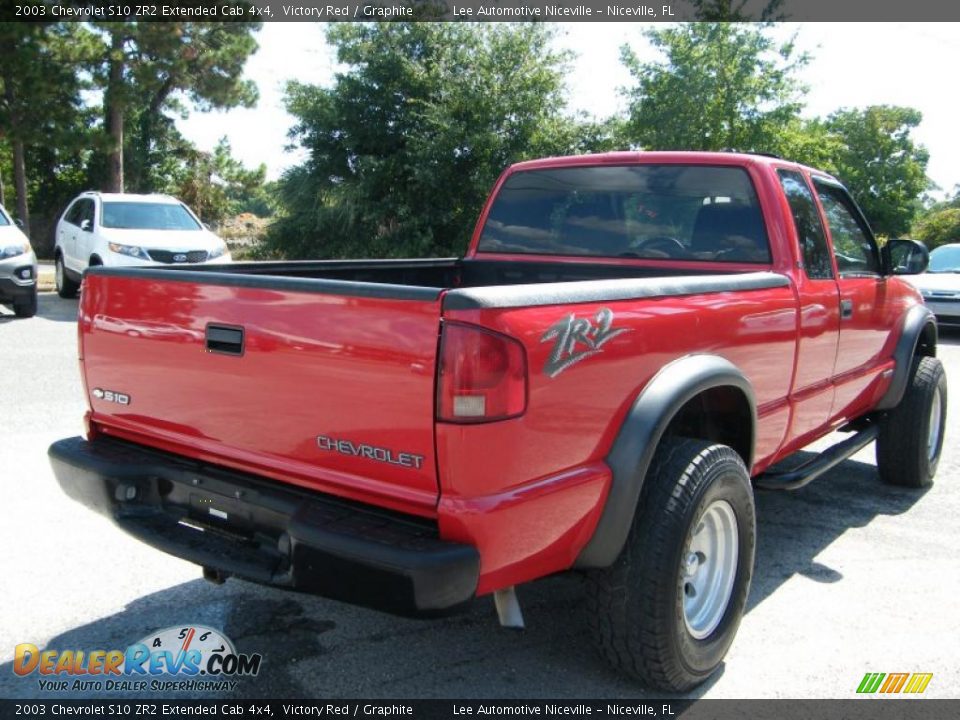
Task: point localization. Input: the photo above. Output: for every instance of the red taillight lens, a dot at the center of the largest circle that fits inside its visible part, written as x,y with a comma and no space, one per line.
483,376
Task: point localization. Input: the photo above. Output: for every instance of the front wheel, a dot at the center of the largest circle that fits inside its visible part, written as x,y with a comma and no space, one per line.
911,435
668,609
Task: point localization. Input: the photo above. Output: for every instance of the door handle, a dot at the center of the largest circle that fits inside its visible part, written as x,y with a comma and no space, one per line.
846,309
225,339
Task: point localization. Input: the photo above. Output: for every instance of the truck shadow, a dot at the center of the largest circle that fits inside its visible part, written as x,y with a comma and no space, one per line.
315,648
793,528
49,307
54,307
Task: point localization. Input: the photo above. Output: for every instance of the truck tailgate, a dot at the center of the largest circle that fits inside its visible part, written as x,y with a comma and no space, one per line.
324,384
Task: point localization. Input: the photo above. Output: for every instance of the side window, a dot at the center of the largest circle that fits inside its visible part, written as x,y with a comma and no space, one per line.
853,245
806,219
74,213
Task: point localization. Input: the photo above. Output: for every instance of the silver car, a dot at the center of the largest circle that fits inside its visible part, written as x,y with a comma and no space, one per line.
18,268
940,284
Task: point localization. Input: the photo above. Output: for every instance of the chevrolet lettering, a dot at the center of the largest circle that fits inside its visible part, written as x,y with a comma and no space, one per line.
346,447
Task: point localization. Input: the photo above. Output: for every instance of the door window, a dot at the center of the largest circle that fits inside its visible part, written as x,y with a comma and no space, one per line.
806,220
75,213
853,244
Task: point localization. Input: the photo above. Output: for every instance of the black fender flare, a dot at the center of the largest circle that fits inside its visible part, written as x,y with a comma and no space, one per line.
915,322
639,435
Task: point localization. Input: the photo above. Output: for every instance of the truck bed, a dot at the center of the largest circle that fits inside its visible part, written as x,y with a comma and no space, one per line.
307,371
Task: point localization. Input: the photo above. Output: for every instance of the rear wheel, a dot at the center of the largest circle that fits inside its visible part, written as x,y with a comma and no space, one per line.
911,435
66,288
667,611
26,305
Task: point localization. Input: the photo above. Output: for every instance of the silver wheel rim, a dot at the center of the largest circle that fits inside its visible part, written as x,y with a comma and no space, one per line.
933,436
58,270
708,568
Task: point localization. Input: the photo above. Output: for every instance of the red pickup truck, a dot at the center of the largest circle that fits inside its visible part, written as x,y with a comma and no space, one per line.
631,343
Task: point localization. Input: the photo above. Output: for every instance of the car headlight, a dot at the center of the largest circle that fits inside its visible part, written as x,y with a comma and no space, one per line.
130,250
9,251
217,252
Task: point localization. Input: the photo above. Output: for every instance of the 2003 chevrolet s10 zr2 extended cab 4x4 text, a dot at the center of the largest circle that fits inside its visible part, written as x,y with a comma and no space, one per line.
628,346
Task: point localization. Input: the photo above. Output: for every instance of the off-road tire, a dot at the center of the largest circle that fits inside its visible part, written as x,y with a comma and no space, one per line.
66,288
905,456
636,606
26,306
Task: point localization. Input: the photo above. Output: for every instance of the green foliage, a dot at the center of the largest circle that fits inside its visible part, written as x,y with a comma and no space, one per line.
146,70
216,185
879,162
44,126
810,142
938,227
721,86
6,173
735,10
405,145
726,86
151,73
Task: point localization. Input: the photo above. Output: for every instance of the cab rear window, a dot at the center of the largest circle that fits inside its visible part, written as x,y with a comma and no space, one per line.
681,212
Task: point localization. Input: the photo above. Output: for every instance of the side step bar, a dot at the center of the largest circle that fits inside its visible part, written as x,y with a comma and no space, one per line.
810,471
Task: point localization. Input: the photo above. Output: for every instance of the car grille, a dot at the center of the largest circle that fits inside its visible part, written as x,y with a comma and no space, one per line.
169,256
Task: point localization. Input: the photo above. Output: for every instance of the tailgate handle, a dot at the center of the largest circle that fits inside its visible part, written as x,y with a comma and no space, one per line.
225,339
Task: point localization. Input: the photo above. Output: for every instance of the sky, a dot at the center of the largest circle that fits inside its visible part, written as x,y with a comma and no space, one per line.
853,65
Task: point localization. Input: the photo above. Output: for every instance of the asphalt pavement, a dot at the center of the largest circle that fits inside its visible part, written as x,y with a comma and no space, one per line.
851,577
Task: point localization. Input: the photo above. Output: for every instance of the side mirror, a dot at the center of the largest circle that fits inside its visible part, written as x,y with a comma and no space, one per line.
86,225
19,223
901,256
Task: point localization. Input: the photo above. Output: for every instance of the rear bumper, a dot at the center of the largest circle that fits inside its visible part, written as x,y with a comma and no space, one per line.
238,524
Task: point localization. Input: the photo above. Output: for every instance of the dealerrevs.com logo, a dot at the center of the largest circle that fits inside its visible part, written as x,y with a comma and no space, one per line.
178,658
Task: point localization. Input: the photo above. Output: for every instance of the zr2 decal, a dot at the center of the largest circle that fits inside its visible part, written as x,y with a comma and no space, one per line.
578,338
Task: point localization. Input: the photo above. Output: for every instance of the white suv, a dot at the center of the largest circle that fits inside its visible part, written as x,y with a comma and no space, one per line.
125,229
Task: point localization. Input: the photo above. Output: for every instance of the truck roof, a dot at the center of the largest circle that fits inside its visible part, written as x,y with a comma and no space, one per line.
679,157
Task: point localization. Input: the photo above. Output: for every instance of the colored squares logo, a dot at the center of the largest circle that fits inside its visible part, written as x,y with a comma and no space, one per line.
892,683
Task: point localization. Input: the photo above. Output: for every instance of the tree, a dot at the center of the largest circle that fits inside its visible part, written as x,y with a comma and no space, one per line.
405,145
809,142
881,165
144,66
734,10
938,227
940,223
216,185
39,95
5,165
721,86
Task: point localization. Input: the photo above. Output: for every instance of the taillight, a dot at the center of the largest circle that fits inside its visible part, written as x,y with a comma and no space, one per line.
482,376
